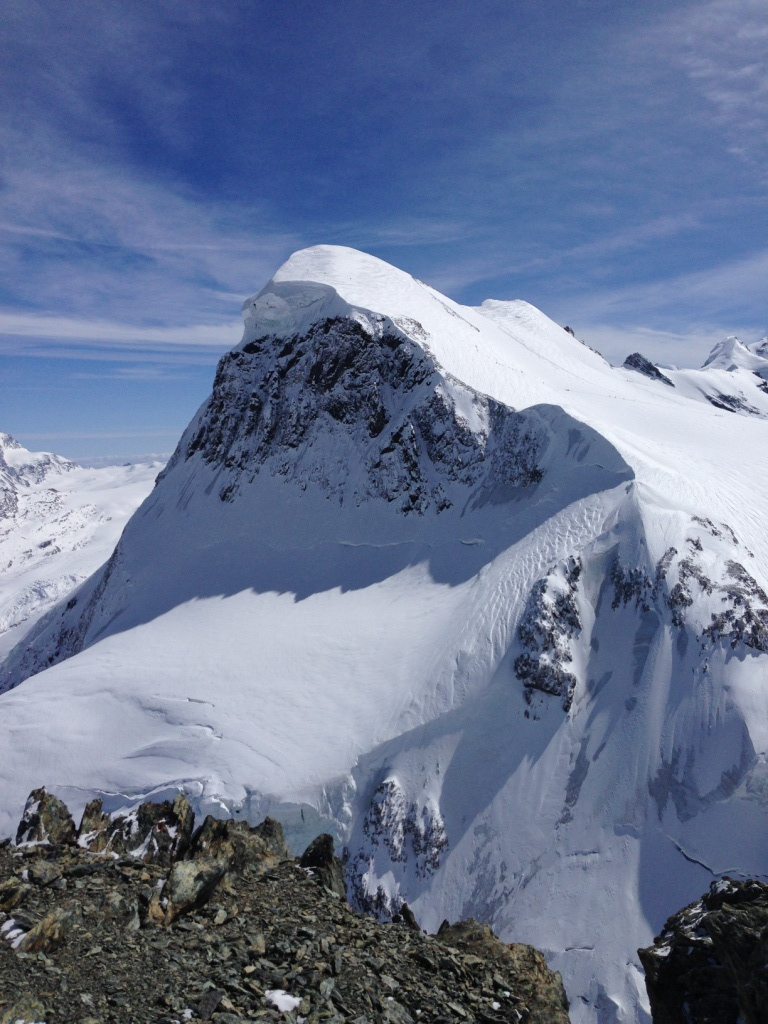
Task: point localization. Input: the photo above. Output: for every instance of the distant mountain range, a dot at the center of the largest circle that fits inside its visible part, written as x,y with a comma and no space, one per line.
444,582
59,522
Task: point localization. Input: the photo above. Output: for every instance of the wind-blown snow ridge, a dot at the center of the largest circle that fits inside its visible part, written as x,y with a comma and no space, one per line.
443,581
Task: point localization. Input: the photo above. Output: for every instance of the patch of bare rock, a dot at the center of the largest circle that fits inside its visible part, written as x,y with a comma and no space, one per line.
142,918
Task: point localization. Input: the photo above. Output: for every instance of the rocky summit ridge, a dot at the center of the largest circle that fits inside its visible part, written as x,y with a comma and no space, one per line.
143,918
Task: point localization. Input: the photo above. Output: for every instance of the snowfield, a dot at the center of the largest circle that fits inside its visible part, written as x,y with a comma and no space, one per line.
442,581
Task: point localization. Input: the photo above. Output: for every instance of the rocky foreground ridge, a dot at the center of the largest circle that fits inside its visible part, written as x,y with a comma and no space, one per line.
143,918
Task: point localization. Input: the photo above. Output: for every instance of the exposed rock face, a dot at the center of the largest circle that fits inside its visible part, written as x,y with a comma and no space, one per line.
407,831
732,403
235,930
154,832
369,385
638,362
45,820
708,964
16,473
238,845
363,414
716,597
550,623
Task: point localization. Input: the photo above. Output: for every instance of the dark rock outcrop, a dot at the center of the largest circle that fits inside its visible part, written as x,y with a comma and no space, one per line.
274,396
639,363
407,831
732,403
235,930
320,860
708,964
549,625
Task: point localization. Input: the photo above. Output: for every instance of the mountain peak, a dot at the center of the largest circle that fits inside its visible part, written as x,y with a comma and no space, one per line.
333,281
732,354
18,466
8,441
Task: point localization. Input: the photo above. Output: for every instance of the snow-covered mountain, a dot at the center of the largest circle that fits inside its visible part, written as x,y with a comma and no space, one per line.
58,523
734,377
443,581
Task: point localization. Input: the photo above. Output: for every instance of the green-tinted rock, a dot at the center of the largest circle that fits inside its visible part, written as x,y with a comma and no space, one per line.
191,884
26,1009
12,892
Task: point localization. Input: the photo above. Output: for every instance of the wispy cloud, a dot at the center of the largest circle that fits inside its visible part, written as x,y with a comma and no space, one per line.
169,273
100,435
140,373
214,337
722,46
110,221
550,156
733,284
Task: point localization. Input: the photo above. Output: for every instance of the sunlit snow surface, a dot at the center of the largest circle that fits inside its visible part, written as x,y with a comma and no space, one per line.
287,641
58,523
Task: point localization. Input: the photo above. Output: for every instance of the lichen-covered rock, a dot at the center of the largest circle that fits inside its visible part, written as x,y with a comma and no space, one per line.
44,872
49,933
539,991
45,820
191,884
12,892
708,964
25,1009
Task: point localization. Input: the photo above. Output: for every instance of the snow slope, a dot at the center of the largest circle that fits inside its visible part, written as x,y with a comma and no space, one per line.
58,524
443,581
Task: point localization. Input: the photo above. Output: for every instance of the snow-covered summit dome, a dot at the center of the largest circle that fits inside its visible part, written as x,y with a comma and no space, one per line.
732,354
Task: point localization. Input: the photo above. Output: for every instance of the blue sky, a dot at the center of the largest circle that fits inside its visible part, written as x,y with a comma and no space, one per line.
606,160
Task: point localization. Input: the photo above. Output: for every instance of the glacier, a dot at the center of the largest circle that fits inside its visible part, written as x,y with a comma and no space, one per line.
442,581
